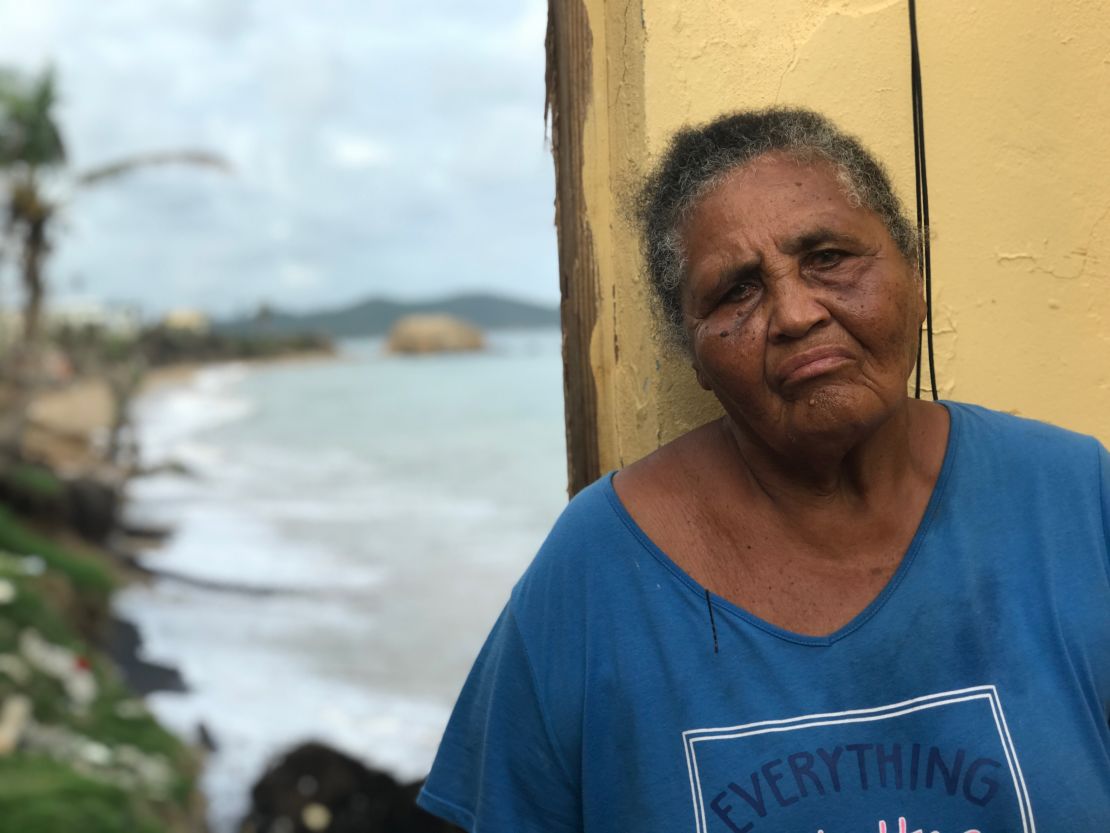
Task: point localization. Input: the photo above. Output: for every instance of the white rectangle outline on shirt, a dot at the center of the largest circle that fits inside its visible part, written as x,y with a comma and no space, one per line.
985,692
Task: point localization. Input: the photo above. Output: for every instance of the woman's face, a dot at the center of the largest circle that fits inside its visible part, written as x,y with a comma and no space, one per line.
803,314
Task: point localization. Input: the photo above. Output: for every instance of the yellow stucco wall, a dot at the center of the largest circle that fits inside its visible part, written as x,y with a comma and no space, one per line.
1017,112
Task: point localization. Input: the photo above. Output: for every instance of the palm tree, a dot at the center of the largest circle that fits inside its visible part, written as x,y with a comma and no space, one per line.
31,147
35,187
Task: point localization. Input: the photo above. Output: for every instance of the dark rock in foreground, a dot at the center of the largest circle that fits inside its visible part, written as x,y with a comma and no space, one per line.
123,643
315,789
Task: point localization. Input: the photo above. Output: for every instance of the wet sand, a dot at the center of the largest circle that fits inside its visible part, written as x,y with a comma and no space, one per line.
67,425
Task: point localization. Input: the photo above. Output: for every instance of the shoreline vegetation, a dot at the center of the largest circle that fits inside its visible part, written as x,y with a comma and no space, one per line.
79,750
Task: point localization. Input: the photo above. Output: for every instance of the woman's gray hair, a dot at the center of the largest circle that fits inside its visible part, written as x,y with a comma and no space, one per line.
700,157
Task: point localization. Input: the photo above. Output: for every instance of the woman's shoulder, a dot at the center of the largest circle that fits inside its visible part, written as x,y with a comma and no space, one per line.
1009,435
654,486
1027,462
605,513
605,537
589,534
588,518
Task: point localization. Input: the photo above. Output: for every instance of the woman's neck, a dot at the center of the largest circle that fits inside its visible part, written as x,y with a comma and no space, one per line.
854,470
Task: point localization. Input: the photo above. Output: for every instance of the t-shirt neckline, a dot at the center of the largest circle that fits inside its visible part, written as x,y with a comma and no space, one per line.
955,417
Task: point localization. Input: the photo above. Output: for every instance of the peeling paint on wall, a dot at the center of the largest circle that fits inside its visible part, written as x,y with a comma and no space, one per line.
1016,113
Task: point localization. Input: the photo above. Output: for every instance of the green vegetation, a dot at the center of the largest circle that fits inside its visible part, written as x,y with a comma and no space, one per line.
84,573
28,610
376,316
94,762
37,482
77,751
163,346
38,795
91,348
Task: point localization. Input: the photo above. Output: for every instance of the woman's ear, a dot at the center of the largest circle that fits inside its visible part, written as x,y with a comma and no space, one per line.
919,293
691,326
702,383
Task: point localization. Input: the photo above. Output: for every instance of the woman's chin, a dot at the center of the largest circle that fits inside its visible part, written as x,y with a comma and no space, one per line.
840,414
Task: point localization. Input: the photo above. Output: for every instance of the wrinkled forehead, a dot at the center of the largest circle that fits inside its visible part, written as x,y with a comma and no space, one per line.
761,170
774,194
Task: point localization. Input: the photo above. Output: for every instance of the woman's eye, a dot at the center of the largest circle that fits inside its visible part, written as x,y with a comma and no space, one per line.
740,291
826,258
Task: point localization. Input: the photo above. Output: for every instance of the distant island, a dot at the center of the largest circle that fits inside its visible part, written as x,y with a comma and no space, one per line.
375,316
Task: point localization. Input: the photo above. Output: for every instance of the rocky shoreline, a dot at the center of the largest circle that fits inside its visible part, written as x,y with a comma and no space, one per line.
78,749
346,796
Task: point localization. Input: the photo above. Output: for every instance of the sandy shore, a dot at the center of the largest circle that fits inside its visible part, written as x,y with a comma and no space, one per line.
67,425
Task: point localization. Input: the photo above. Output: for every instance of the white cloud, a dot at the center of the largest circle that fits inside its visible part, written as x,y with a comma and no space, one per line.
299,276
528,30
376,147
356,152
30,32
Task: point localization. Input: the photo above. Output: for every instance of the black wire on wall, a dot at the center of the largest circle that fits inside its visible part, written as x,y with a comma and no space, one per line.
922,205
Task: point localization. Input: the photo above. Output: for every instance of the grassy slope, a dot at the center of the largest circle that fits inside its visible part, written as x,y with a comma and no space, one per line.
43,796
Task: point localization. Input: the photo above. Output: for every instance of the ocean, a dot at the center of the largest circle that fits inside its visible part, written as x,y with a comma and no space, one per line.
354,526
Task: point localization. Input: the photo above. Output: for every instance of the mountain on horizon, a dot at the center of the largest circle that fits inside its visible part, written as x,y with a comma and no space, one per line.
375,316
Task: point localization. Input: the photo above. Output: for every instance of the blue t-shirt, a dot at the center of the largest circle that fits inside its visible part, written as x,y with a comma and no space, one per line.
972,694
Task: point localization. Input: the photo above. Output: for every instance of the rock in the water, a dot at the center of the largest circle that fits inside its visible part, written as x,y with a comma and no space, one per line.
433,334
124,644
314,788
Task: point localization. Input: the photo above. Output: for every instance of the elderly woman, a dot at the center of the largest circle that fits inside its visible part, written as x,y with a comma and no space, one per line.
836,609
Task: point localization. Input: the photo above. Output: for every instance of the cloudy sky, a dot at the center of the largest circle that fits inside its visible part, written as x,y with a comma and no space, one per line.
378,148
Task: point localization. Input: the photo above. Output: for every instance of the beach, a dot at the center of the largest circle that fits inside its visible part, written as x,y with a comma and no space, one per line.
67,422
344,534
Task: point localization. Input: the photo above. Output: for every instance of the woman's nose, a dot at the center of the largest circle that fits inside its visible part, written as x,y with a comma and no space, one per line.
796,309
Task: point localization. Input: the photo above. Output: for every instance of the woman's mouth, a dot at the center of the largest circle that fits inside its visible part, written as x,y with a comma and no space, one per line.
811,363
